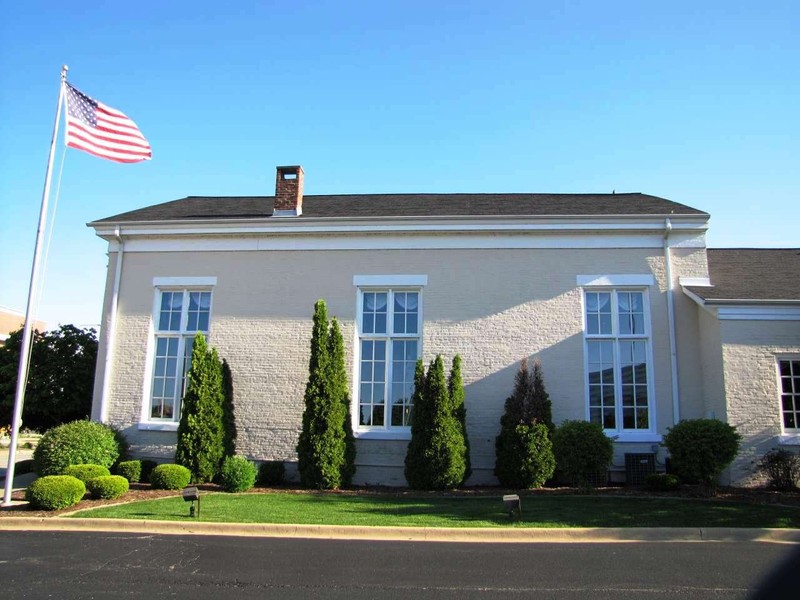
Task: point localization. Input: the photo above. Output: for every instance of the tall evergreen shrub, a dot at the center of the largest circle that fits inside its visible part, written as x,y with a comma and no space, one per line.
437,450
455,387
339,391
523,450
201,431
322,448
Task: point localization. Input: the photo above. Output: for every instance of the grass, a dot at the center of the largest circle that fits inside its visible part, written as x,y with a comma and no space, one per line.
377,510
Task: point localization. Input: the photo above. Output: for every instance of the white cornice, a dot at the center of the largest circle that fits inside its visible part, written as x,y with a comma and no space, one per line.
748,309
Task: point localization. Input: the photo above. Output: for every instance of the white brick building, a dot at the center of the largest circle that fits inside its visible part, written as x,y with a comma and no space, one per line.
610,291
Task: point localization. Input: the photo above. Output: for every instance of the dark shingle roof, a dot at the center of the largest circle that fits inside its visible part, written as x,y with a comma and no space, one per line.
752,274
412,205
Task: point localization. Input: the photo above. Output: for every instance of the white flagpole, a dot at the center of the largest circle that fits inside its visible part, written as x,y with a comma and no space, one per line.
24,355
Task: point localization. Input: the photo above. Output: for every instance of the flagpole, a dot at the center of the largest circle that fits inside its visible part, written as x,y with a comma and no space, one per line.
24,355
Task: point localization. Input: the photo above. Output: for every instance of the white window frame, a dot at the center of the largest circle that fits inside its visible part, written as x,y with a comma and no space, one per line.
389,284
789,436
160,285
615,285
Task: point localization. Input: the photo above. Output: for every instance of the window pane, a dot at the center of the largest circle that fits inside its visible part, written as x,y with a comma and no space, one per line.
380,323
377,415
789,420
609,418
365,415
786,400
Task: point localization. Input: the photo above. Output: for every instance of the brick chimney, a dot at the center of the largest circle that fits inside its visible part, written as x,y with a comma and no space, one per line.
288,192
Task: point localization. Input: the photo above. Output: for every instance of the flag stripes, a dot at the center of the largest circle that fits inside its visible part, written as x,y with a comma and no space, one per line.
103,131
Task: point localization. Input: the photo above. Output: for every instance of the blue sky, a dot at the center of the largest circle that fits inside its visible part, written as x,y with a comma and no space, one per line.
692,101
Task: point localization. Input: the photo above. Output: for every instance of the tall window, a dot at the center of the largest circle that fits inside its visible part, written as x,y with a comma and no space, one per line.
180,314
617,359
789,370
389,345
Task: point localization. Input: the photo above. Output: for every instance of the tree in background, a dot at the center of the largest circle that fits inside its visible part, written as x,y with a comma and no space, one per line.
60,376
436,456
201,431
455,387
523,449
322,450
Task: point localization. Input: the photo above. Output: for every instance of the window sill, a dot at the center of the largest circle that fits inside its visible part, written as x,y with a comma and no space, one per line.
383,435
789,439
632,438
158,427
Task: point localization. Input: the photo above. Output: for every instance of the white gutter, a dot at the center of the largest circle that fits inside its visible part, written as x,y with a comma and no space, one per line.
111,330
676,405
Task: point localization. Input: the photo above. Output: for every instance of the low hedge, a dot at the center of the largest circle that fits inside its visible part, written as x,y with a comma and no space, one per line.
107,487
238,474
54,492
86,472
131,470
170,477
271,472
661,482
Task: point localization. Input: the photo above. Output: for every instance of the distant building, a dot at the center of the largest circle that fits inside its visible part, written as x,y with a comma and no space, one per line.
11,320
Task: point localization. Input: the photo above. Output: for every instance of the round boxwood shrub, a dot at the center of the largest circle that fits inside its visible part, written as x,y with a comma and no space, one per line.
76,443
700,449
54,492
86,472
525,456
131,470
271,472
782,468
107,487
582,452
170,477
661,482
238,474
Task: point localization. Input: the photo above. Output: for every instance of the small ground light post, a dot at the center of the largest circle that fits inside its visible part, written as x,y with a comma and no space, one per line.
513,505
190,494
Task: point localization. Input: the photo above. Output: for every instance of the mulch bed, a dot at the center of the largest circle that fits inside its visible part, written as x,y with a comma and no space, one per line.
141,491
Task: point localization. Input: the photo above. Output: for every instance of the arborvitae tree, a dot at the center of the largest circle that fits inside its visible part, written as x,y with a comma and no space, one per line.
201,435
455,387
321,448
436,459
339,393
523,450
228,419
541,409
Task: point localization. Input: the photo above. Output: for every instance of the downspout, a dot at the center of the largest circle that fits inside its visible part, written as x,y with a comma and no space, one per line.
673,355
111,329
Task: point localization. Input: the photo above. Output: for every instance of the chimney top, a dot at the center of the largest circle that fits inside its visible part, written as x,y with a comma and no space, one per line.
288,192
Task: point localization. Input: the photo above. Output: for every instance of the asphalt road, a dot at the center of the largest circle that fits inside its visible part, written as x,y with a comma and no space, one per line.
104,565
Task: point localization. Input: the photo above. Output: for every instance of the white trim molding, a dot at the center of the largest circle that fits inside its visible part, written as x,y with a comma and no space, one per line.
153,426
635,438
615,280
390,280
163,282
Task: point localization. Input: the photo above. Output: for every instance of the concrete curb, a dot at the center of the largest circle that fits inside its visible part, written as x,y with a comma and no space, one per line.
416,534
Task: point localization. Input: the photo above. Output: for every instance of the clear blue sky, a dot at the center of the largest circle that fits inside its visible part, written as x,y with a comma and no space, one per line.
698,102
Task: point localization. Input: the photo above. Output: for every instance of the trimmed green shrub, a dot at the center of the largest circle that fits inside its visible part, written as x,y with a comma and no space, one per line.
782,468
455,387
75,443
700,449
435,458
131,470
325,456
147,468
201,431
582,452
339,391
661,482
523,459
170,477
54,492
107,487
271,472
86,472
238,474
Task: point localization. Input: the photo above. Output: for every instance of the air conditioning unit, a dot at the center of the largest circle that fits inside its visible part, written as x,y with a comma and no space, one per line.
638,465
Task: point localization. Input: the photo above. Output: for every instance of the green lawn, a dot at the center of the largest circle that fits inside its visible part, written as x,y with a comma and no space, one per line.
377,510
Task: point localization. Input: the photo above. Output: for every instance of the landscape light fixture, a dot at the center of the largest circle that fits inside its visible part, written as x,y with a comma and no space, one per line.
513,505
190,494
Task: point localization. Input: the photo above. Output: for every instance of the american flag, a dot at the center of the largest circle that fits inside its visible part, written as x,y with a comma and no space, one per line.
103,131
